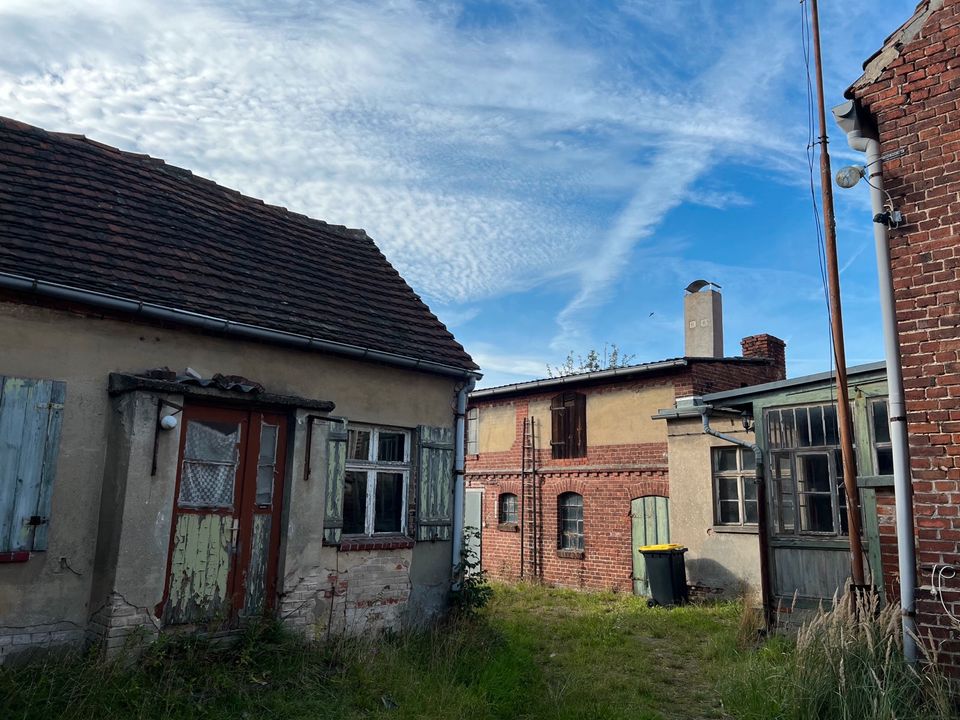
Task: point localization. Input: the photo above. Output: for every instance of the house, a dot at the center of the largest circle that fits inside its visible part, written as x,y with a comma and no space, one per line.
907,98
714,503
211,409
568,476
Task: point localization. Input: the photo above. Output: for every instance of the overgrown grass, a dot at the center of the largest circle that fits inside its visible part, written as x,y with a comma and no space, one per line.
532,653
846,664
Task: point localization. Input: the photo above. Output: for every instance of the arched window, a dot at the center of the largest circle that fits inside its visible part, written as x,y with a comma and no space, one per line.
508,509
570,521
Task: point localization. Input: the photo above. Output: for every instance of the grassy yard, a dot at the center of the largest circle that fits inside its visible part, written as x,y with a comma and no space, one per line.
532,653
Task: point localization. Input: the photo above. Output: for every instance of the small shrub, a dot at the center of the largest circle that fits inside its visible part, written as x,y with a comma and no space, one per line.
472,591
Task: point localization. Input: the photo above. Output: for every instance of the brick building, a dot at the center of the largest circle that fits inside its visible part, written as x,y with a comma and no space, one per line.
567,476
910,90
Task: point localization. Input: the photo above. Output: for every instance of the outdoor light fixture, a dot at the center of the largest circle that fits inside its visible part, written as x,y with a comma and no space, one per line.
849,176
746,419
168,422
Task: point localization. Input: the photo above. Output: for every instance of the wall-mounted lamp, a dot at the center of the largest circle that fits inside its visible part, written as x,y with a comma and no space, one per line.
849,176
168,422
747,420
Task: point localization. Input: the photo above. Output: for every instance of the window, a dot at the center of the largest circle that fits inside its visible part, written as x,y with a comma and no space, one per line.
807,470
30,418
570,517
734,486
375,481
473,421
509,513
568,412
880,428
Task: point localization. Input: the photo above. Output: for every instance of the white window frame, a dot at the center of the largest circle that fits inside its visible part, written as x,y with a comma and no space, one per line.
742,475
371,466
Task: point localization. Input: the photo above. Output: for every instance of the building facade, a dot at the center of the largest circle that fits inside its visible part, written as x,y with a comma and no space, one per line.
568,476
297,462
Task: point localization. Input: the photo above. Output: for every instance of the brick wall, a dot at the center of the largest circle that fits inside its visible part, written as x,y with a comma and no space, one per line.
608,478
914,99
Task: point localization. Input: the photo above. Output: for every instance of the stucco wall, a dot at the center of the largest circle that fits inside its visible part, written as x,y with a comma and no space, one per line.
718,559
497,429
622,416
55,591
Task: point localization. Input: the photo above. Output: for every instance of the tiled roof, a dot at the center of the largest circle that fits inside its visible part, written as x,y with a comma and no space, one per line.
82,214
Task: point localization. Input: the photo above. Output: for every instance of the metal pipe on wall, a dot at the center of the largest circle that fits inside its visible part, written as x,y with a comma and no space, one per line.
849,118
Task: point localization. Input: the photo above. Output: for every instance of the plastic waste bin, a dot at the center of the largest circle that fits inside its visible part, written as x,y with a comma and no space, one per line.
666,574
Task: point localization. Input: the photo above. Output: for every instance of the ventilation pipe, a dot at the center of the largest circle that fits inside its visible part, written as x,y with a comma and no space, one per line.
861,136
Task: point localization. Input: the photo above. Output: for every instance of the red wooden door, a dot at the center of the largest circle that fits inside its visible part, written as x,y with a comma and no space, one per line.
225,529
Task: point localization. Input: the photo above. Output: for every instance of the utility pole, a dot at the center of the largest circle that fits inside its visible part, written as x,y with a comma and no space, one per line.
836,322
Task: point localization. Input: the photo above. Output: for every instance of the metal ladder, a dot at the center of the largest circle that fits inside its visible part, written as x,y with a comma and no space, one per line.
531,512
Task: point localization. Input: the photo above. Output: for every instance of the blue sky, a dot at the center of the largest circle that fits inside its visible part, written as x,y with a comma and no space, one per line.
548,175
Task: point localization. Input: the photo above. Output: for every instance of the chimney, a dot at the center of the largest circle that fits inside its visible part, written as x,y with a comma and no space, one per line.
703,320
770,347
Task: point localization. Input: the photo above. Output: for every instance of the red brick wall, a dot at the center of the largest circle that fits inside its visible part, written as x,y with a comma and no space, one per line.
886,517
915,102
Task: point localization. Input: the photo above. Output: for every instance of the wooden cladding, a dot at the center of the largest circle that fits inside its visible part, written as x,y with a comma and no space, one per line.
568,412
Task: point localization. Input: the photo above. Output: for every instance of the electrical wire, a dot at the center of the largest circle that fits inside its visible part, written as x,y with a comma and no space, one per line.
937,576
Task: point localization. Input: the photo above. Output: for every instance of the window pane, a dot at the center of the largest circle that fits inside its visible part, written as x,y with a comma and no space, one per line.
784,488
358,444
508,508
817,435
750,512
749,489
728,488
268,444
881,424
388,509
803,427
265,477
816,513
789,429
354,502
207,484
831,425
730,511
748,461
571,521
884,461
212,441
773,428
726,459
390,446
814,473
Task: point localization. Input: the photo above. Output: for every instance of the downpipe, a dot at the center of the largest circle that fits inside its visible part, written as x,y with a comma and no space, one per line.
459,480
903,487
762,530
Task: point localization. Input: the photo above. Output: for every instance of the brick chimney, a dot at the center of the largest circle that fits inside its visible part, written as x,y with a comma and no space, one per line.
770,347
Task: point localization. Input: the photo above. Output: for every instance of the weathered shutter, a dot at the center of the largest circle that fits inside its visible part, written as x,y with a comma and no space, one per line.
558,433
473,421
334,478
30,419
435,492
577,416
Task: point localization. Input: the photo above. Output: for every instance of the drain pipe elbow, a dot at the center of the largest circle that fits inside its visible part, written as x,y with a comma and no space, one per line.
459,489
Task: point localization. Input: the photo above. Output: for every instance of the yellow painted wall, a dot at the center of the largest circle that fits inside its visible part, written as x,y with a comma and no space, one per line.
624,417
497,428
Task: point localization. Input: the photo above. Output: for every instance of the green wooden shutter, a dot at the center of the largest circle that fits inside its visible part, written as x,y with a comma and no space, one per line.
30,419
435,491
334,478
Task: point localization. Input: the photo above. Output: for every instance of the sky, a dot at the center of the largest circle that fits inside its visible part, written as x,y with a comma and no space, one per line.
548,176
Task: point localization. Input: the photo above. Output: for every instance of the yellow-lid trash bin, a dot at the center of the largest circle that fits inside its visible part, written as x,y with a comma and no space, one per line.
666,573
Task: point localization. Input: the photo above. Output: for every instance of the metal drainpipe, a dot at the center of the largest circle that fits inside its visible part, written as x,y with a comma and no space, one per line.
759,478
459,480
846,115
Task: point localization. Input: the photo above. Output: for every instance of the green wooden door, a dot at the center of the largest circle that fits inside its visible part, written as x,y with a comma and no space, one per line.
651,526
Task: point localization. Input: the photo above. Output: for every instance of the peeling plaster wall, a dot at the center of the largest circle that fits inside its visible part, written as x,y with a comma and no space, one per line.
107,446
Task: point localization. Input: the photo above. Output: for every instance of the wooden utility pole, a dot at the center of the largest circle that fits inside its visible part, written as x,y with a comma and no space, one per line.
836,322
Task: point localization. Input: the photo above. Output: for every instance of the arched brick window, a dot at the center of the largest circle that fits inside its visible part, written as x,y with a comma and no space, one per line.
570,521
508,509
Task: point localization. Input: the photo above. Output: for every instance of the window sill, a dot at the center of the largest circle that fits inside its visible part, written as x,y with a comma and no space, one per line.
571,554
508,527
736,529
384,542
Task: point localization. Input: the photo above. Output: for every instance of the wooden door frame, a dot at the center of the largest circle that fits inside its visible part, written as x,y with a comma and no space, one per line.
244,497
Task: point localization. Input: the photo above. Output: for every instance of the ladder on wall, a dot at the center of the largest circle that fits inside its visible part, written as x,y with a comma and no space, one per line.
531,501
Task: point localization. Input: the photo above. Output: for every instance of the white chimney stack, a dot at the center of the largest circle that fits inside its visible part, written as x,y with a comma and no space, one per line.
703,320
